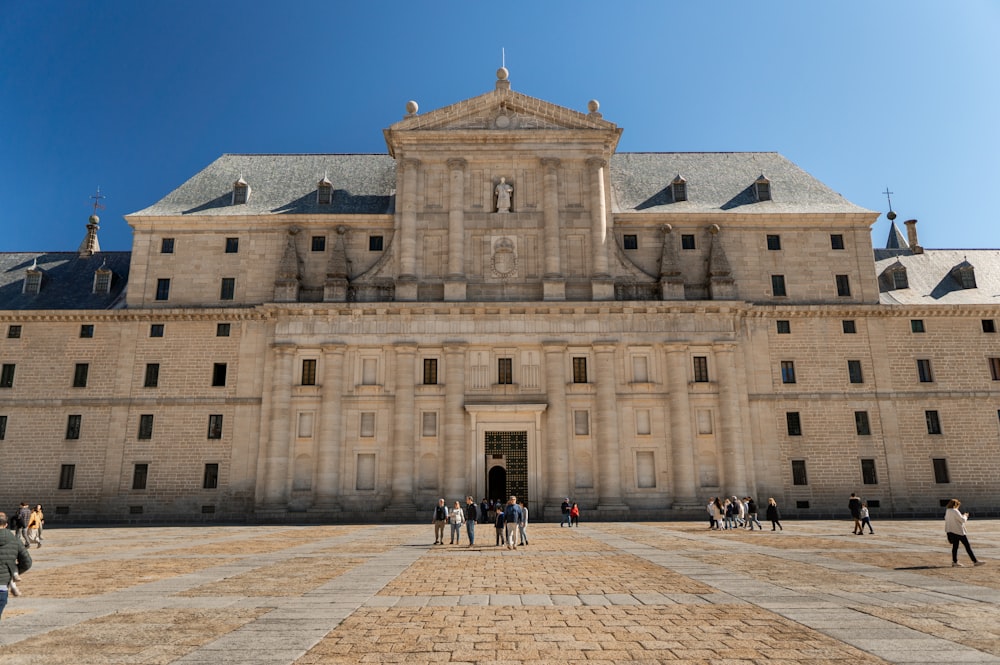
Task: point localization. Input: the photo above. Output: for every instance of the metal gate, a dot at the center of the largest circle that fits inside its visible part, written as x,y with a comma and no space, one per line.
514,448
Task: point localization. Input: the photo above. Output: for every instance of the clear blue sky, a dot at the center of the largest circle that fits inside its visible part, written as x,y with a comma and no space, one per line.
136,96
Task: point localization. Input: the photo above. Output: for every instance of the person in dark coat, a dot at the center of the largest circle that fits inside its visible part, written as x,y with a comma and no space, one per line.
773,514
14,559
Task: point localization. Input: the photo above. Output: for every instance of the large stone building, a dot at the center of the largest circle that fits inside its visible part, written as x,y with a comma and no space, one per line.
501,304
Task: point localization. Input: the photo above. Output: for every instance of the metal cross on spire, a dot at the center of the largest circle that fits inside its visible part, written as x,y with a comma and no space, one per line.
97,200
888,195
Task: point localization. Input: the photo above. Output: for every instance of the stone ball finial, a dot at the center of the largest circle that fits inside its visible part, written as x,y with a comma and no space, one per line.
593,106
891,215
412,107
502,74
94,219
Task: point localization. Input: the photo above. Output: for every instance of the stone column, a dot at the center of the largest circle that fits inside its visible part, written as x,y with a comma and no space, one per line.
598,217
276,460
556,441
456,465
553,285
608,443
406,289
682,443
404,430
455,283
733,455
328,455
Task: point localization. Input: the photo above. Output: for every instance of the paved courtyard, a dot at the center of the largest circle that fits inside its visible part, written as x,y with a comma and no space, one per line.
601,593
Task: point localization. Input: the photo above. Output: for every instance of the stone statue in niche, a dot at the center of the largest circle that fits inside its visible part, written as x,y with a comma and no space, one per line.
503,191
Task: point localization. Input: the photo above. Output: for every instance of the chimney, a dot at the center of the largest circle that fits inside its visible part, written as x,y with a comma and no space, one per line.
911,236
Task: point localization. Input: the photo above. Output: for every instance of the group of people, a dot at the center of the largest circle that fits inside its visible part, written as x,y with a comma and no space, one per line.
735,513
510,520
27,523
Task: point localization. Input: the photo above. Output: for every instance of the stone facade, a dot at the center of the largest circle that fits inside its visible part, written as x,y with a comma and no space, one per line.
350,337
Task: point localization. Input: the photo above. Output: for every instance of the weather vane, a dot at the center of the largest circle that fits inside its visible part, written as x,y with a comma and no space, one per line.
97,200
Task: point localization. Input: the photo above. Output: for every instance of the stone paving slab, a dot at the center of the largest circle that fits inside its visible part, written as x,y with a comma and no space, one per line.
603,593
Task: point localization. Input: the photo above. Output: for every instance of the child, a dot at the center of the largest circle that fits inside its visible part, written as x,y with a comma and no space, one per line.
499,524
865,519
574,515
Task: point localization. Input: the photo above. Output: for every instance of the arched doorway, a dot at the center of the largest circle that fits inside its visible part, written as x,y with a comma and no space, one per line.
496,484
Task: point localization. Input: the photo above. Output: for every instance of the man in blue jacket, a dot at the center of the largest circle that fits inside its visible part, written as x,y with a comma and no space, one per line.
512,517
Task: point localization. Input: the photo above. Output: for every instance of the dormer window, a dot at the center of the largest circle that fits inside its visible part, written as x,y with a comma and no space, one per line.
241,191
895,276
762,188
102,280
324,192
965,275
679,189
32,280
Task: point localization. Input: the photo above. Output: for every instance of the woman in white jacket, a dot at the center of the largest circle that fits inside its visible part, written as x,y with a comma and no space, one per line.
954,528
456,518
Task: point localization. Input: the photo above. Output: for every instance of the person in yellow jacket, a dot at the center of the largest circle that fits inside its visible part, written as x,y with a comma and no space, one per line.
34,531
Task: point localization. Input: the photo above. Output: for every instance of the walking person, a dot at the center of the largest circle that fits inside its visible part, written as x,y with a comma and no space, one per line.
866,518
574,515
21,521
718,512
523,524
41,523
439,520
34,527
14,559
565,508
773,514
954,527
854,505
752,514
456,518
471,517
512,518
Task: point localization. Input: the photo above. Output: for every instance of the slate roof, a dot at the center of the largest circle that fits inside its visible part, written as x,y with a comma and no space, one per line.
285,185
719,181
67,280
930,279
365,184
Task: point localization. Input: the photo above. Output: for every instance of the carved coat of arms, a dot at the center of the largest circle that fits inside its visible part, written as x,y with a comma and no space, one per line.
504,260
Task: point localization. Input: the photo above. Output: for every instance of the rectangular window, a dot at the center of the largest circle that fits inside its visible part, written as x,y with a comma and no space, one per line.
849,327
156,330
778,286
924,371
630,241
14,332
369,371
368,424
215,426
73,424
374,243
773,242
994,368
861,424
430,371
167,246
784,327
80,375
139,474
916,325
505,371
640,369
3,427
836,241
429,423
793,423
843,285
309,372
642,422
210,480
941,470
854,371
7,375
162,289
66,473
102,281
687,241
145,426
87,330
868,474
219,374
788,371
933,422
319,243
228,289
579,370
232,245
989,326
222,329
152,378
899,280
799,476
700,369
581,423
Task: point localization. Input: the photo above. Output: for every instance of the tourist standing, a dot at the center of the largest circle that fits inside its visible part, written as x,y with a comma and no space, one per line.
523,524
456,518
773,514
498,522
565,507
471,517
512,518
954,527
439,520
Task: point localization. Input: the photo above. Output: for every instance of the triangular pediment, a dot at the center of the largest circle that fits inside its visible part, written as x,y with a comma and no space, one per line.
503,110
